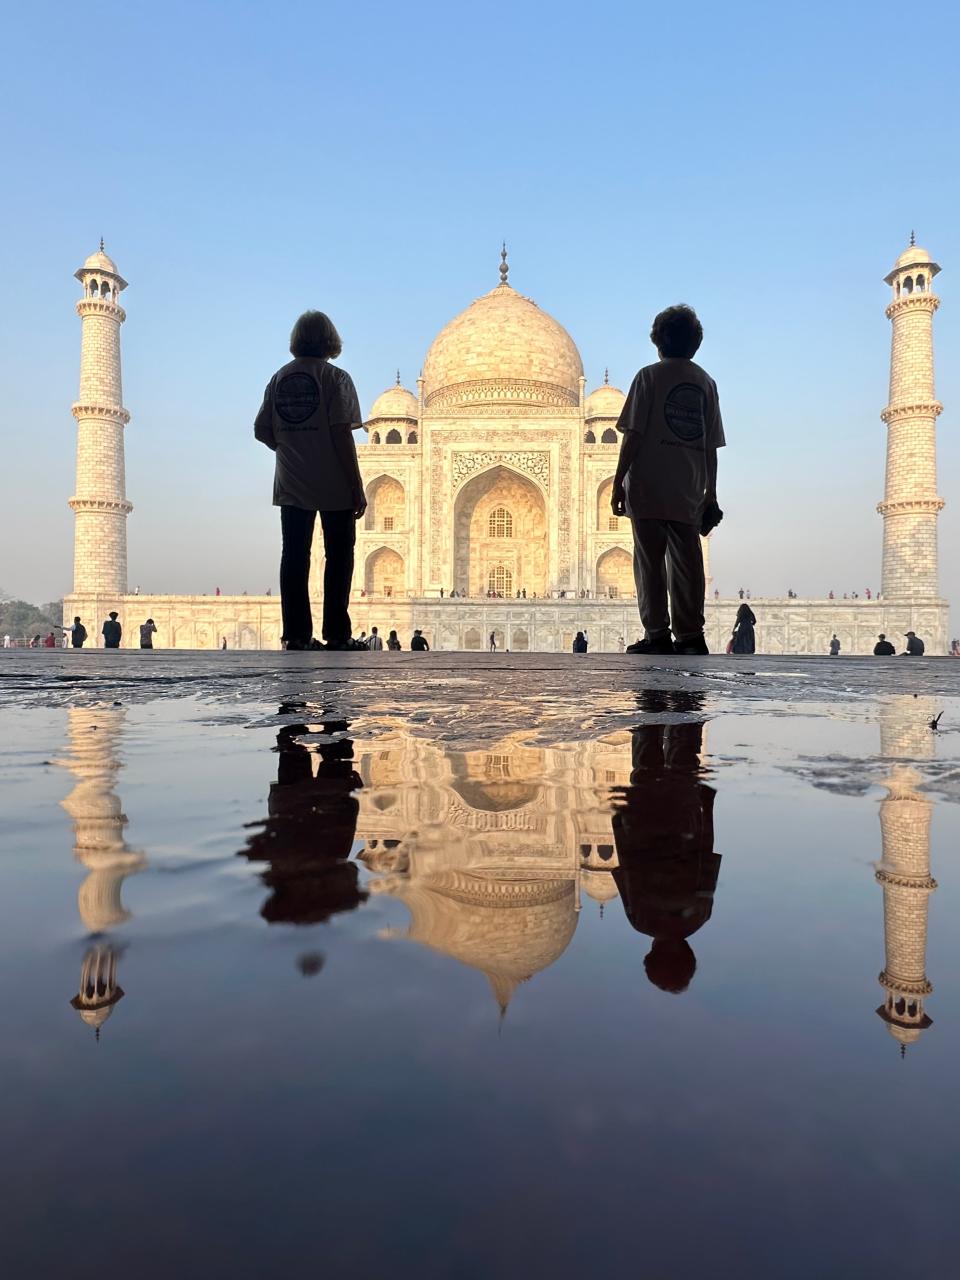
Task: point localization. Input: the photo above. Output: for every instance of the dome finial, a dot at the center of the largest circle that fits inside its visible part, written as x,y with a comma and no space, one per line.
504,269
606,377
398,377
101,244
913,239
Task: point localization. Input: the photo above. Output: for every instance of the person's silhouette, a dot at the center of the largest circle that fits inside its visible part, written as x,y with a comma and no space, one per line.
308,835
663,830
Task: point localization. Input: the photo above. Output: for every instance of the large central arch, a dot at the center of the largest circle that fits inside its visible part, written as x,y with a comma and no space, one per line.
500,534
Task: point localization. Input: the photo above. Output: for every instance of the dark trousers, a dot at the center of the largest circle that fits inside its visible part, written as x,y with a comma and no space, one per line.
339,537
668,559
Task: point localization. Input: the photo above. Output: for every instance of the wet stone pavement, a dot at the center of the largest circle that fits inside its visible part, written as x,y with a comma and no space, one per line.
478,966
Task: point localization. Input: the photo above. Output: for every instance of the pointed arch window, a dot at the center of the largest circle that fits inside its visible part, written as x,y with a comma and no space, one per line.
500,524
500,581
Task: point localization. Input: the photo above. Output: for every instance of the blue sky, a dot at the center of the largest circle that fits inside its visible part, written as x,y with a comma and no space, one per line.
765,163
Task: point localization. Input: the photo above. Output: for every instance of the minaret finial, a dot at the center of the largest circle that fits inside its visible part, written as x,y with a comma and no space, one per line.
913,239
606,377
504,269
398,377
101,244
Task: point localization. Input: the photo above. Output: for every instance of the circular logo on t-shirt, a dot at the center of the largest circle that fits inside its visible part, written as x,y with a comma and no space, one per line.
297,397
683,410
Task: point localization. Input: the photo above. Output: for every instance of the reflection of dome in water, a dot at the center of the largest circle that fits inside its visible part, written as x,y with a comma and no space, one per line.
599,885
508,929
503,349
496,781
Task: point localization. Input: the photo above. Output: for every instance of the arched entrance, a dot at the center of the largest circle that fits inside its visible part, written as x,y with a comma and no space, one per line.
384,574
615,574
500,535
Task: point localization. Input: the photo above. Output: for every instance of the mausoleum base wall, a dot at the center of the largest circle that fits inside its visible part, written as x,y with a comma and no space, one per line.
253,622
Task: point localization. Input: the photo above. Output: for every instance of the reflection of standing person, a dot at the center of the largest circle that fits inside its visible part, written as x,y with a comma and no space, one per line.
309,413
744,637
148,630
663,830
307,837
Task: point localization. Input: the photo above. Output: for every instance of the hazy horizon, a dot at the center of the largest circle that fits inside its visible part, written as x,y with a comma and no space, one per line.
761,165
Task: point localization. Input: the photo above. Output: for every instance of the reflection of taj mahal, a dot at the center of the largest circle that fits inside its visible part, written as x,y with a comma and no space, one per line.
492,481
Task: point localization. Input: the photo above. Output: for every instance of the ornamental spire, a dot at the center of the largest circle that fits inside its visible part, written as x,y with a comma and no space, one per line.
913,239
101,244
398,377
606,377
504,269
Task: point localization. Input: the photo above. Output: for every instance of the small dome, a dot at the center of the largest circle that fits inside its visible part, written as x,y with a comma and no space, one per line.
913,257
101,261
395,403
599,885
605,402
502,350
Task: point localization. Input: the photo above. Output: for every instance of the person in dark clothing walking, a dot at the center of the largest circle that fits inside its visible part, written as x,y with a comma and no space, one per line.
883,648
744,637
112,632
309,413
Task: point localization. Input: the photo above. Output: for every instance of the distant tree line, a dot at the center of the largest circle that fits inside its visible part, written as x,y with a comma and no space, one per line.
22,621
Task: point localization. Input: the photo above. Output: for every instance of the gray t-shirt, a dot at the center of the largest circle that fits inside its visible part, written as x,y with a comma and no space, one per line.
673,406
302,402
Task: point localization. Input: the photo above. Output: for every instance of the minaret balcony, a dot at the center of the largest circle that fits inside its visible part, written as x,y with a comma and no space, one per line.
115,412
119,505
921,409
913,302
101,307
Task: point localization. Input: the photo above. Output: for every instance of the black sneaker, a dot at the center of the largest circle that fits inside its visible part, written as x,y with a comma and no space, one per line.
661,645
695,647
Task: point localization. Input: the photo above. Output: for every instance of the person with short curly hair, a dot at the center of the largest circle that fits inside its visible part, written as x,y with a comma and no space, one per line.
666,482
309,413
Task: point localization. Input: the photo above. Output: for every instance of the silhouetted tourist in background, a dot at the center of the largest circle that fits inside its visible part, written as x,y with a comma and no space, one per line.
50,641
493,642
744,637
915,646
393,642
148,630
309,413
834,646
112,632
223,642
666,481
375,643
78,634
663,831
308,835
954,648
883,648
419,642
580,643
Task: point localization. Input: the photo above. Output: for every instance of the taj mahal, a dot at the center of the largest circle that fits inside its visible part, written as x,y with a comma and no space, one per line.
488,493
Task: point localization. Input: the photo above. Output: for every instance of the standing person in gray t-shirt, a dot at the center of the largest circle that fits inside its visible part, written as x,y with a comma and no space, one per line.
309,413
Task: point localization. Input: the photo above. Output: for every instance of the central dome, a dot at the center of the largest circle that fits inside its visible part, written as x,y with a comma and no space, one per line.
502,350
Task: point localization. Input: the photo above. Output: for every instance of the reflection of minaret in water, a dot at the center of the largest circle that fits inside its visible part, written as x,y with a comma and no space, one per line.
904,869
99,844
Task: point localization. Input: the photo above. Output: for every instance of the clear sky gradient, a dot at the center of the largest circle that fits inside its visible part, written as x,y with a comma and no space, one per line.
244,161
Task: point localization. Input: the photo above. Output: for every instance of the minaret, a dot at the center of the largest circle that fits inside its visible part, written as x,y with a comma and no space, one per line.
910,503
904,869
100,501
